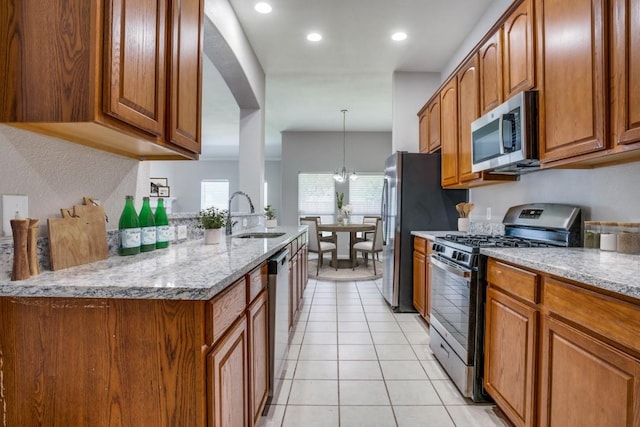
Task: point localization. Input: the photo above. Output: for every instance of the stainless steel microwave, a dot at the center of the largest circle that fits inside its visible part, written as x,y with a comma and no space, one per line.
505,140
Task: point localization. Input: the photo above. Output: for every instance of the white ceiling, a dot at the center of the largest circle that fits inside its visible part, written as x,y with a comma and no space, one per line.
307,84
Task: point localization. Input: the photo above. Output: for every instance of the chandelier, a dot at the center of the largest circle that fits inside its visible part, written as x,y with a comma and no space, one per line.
343,175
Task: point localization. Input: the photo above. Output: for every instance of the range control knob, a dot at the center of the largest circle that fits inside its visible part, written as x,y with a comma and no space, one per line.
454,254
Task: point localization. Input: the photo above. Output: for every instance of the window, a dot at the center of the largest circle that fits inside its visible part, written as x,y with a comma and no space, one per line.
214,192
365,195
316,195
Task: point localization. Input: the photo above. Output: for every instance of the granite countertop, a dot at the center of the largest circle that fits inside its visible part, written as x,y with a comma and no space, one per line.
186,271
610,271
432,235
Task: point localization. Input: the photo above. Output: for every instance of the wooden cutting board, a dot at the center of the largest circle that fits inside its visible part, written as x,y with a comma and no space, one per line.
80,237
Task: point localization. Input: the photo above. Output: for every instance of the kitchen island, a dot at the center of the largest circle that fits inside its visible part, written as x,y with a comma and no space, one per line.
176,336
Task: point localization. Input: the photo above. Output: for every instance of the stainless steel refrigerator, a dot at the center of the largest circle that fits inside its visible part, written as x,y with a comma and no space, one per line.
412,200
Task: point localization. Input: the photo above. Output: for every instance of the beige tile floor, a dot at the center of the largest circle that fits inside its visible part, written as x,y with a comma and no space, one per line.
353,362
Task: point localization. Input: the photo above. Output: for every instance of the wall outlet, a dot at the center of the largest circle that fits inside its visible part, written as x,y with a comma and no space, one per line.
172,233
182,232
13,206
488,214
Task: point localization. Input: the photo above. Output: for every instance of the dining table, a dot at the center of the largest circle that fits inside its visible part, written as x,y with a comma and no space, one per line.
353,230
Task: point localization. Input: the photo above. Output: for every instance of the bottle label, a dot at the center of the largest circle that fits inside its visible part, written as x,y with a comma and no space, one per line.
162,233
129,238
148,236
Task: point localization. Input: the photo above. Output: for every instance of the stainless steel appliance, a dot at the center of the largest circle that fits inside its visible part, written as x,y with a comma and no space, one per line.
458,285
505,140
278,287
412,199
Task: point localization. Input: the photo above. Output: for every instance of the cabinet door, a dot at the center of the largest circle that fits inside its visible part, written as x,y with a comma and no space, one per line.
585,381
490,58
468,111
509,374
433,127
518,72
228,379
573,83
419,299
449,132
625,66
258,355
135,63
423,132
185,74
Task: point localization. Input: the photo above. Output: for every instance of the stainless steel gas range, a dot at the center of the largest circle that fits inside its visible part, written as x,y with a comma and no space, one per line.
458,286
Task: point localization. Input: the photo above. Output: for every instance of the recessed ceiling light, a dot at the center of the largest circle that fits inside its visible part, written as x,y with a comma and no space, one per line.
314,37
399,36
262,7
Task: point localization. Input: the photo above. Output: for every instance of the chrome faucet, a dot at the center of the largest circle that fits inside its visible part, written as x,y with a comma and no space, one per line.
229,224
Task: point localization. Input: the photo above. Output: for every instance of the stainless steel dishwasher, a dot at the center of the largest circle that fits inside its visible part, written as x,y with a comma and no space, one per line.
278,286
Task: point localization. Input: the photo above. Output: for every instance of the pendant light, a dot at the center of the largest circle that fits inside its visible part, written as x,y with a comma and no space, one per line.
342,175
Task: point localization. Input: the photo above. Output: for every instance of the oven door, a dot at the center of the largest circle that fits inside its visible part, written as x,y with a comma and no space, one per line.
453,306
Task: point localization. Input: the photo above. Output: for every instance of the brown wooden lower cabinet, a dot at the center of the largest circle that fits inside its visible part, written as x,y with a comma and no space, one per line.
258,322
585,381
509,372
228,379
421,279
559,353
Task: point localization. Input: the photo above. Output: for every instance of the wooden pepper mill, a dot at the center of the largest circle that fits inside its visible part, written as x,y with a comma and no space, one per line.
20,228
32,246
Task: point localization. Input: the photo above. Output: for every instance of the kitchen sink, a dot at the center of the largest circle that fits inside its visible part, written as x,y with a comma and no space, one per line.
259,235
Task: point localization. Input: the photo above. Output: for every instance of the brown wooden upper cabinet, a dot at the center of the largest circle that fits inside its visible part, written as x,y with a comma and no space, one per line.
449,133
490,63
625,69
518,60
468,111
423,129
125,77
429,125
573,77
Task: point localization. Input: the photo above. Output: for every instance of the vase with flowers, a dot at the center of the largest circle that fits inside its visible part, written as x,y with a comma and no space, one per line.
339,202
346,211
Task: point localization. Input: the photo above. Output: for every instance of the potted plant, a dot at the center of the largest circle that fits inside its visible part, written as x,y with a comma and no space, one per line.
213,220
270,216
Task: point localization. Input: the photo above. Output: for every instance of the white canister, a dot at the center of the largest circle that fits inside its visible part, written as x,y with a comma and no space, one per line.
608,238
463,224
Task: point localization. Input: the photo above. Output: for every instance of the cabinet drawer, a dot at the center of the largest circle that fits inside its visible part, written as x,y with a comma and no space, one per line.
293,247
224,309
257,281
611,318
521,283
420,244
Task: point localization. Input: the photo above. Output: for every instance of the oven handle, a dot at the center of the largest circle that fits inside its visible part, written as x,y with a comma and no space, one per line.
449,268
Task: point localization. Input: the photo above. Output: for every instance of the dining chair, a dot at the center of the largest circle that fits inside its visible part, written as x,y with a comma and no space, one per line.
367,247
368,235
323,237
318,246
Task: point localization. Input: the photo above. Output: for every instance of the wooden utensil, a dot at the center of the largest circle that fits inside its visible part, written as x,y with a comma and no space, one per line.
32,246
460,209
20,228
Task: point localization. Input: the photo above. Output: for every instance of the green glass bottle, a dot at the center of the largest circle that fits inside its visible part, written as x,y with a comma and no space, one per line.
162,225
147,227
129,229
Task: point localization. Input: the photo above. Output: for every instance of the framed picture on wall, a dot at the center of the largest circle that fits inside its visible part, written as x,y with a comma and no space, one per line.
163,191
156,183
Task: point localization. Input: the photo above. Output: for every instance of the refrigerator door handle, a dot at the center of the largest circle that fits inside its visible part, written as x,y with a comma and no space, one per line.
384,206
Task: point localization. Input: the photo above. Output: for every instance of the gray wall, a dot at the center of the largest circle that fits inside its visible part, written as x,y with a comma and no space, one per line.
607,193
185,176
322,152
410,92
